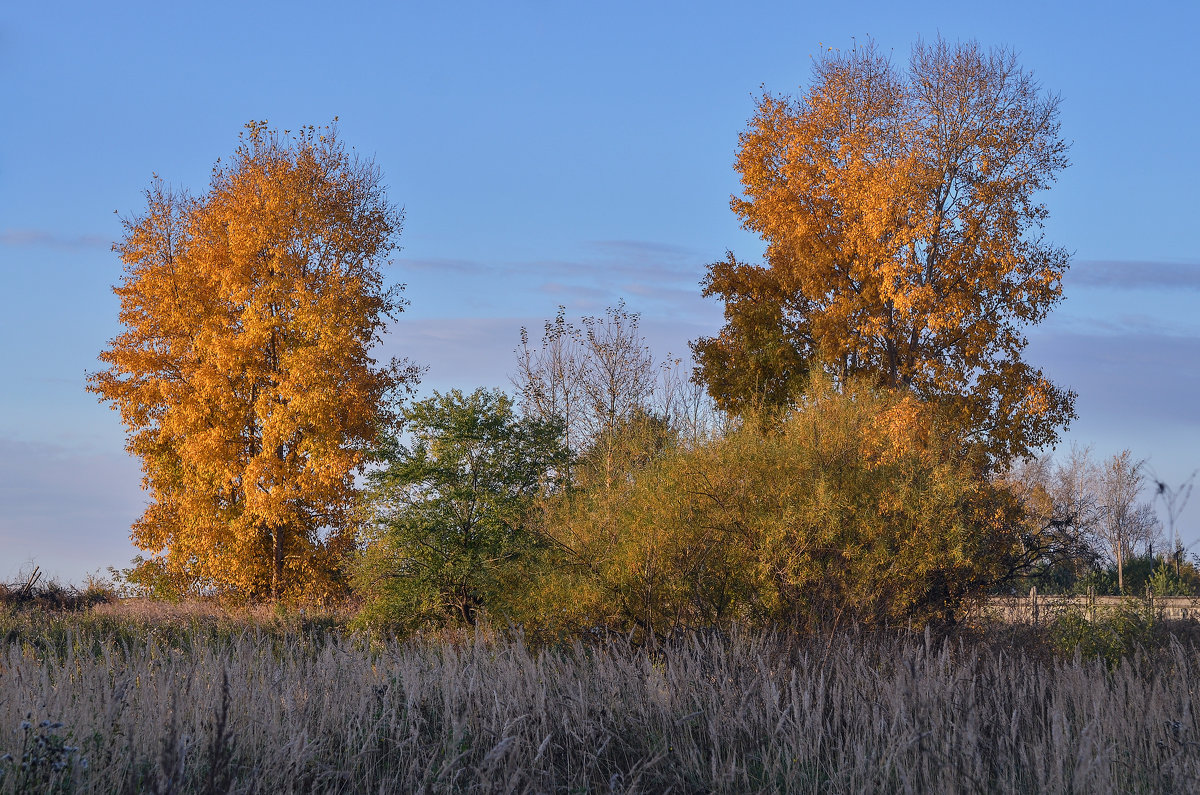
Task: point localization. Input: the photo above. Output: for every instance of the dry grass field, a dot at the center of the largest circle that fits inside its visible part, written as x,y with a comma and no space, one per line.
193,700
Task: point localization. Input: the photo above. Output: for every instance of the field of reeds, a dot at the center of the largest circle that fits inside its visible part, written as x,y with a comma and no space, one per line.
173,701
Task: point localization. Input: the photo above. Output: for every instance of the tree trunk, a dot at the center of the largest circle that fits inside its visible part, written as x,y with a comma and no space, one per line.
277,568
279,531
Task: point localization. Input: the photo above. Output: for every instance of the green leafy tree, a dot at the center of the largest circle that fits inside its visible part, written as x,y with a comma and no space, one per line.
453,508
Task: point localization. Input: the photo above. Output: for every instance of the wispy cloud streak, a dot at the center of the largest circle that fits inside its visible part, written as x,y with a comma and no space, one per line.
49,239
1134,275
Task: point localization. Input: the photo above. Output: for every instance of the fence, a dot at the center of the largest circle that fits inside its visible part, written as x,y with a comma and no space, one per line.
1036,607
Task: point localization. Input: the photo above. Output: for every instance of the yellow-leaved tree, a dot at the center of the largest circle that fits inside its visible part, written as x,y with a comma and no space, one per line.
902,216
861,506
244,373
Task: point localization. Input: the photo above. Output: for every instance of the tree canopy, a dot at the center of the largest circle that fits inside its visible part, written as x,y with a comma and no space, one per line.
243,374
452,507
903,225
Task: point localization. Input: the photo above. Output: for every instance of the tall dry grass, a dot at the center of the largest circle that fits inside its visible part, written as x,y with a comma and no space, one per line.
203,704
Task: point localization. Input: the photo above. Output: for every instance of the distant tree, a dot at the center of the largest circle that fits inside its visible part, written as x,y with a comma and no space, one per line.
1081,514
685,406
902,219
618,380
549,378
244,374
1126,523
452,508
1058,545
598,378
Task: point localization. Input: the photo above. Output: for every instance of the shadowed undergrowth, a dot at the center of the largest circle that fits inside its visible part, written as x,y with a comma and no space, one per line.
34,592
103,704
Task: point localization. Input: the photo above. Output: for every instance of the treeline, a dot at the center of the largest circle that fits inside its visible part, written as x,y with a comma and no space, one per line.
611,493
856,444
860,506
1108,539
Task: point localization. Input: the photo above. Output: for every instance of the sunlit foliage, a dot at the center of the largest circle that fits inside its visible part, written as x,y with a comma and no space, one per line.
243,373
902,216
862,507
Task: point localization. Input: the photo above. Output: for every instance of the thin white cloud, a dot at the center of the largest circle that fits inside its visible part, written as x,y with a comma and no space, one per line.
466,352
459,352
1135,275
577,292
51,239
642,249
643,260
460,267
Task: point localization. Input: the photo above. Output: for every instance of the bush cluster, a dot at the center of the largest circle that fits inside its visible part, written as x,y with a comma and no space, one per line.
857,507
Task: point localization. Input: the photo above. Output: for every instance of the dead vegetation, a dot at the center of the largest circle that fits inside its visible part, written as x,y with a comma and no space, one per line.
32,591
109,702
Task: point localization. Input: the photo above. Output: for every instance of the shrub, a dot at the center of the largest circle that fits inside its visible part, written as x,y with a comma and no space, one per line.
858,507
1110,635
53,595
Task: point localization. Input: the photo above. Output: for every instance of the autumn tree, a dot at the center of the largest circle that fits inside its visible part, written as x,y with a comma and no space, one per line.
859,507
903,225
244,373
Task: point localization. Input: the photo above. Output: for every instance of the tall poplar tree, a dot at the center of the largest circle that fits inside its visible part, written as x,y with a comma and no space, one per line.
244,373
902,215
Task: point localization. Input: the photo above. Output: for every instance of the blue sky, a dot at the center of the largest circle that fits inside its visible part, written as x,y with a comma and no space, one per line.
545,153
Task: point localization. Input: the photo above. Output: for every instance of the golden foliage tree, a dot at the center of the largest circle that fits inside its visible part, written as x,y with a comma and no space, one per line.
902,219
859,507
244,375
